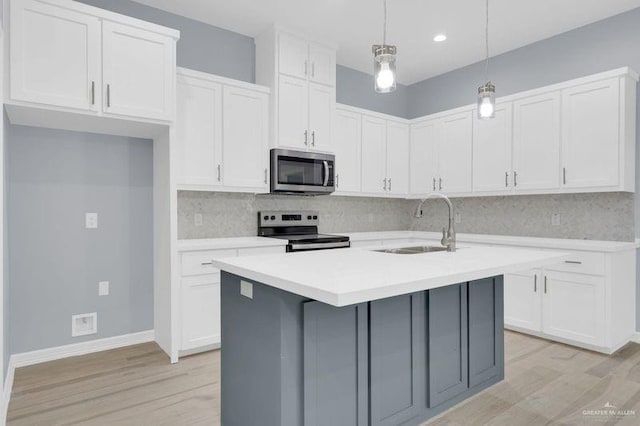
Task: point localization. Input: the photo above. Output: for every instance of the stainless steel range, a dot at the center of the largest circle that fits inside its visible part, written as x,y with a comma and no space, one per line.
300,228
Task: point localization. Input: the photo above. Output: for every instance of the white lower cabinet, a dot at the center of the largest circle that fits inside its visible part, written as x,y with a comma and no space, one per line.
200,295
588,300
200,311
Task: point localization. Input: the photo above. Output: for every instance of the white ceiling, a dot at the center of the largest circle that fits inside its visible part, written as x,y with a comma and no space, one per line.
353,25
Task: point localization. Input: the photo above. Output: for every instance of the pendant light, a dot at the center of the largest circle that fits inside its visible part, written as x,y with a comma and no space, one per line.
487,92
384,62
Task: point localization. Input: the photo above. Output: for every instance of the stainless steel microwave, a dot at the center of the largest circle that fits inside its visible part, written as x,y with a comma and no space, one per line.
302,173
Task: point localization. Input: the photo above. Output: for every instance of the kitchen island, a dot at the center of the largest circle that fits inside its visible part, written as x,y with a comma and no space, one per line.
359,337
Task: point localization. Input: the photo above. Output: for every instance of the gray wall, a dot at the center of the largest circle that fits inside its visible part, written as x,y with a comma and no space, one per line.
55,264
355,88
6,306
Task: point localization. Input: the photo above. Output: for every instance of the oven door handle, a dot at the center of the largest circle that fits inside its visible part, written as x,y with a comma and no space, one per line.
315,246
326,173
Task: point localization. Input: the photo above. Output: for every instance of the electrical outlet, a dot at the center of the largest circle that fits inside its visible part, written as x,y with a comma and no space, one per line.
198,219
246,289
103,288
84,324
458,217
555,219
91,220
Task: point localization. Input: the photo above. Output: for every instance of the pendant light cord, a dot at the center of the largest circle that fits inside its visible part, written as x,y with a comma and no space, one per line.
384,32
486,39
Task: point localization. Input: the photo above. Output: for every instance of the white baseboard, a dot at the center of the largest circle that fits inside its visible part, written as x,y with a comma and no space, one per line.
75,349
636,337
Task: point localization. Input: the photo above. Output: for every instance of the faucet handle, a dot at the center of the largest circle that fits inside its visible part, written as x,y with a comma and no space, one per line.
445,237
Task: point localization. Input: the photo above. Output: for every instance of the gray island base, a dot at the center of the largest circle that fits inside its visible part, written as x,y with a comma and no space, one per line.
288,360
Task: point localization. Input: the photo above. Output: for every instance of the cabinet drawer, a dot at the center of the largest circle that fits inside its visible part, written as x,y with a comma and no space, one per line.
582,262
260,250
199,262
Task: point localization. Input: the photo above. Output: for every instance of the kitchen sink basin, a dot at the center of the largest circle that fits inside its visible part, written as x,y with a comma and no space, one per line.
413,250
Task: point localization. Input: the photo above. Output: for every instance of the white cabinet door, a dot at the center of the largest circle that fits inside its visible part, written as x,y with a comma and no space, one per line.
138,72
536,142
55,56
293,113
423,163
523,301
573,307
492,152
293,54
200,307
322,101
590,134
199,131
245,138
347,150
397,158
455,153
373,155
323,65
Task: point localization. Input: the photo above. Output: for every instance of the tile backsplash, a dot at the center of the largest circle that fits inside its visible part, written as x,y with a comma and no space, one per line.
605,216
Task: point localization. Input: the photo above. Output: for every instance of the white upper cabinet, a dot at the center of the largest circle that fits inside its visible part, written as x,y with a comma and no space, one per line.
138,68
374,180
492,143
397,158
423,160
302,76
347,147
323,65
454,153
293,112
245,138
590,134
322,101
63,70
536,142
199,131
221,134
72,57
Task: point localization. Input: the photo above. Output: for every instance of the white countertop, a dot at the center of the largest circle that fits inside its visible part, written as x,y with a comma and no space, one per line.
229,243
346,276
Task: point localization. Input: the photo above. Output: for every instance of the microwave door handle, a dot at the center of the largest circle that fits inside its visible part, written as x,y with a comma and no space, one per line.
326,173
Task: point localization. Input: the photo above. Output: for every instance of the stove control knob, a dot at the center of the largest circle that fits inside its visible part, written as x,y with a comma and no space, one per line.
266,218
315,217
273,218
308,217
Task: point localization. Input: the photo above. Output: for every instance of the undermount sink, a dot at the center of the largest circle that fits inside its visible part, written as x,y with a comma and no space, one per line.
413,250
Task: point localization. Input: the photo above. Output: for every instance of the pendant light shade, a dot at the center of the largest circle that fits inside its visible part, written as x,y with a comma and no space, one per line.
384,68
384,62
487,92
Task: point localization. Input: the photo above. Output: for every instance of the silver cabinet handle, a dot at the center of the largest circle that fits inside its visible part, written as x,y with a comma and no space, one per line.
440,184
313,69
515,178
434,184
306,67
545,284
93,93
385,184
206,263
506,179
564,175
108,95
219,173
573,262
313,138
338,181
306,137
535,283
265,175
389,184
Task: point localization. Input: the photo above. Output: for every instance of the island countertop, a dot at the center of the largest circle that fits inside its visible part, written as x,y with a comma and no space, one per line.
342,277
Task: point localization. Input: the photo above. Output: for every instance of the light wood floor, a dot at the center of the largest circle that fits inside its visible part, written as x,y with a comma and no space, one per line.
546,383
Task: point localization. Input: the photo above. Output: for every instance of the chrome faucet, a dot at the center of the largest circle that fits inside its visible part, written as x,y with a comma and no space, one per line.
448,236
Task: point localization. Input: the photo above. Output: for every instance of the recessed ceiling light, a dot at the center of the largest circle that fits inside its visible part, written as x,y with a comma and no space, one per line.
439,38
